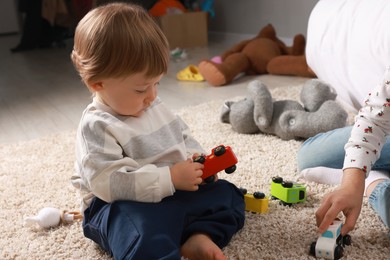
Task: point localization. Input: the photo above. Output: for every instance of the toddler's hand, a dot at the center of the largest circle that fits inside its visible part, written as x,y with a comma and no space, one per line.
186,175
196,155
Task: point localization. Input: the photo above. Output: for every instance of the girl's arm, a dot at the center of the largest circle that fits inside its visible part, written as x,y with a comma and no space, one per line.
362,150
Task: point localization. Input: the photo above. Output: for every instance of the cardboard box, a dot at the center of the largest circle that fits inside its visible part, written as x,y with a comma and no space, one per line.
185,30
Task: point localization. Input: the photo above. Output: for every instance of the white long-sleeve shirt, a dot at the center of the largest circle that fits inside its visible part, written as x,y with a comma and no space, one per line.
348,46
128,158
371,127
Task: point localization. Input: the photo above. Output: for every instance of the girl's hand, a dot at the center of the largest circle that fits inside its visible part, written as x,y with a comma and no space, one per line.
347,199
186,175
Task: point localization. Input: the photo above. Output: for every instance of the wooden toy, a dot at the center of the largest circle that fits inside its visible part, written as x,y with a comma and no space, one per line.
287,192
256,202
221,158
330,245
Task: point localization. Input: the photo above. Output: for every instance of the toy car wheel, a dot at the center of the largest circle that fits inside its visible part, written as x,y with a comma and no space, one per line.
243,190
218,151
209,179
287,184
338,252
347,240
200,159
230,169
313,248
277,179
258,195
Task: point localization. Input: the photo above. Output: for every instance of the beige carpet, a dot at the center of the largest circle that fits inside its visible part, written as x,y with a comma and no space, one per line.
36,174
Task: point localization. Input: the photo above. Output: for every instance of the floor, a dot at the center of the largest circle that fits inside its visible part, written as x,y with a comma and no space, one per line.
41,94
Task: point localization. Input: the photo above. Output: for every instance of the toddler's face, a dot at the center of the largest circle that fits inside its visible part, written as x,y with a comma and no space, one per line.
129,96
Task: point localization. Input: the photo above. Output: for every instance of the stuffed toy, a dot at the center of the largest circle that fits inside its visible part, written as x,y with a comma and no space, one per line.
287,119
261,55
49,217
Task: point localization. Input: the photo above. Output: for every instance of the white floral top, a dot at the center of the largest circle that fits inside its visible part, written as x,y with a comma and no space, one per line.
371,127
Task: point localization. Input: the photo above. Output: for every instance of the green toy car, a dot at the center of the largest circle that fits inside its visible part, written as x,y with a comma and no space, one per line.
287,192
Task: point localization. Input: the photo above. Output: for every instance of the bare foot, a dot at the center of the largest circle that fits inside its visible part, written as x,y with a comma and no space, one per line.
201,247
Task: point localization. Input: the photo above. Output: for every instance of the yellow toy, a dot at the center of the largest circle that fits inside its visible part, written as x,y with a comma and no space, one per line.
190,73
256,202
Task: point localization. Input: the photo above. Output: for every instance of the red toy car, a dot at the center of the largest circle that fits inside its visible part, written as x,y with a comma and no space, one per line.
221,158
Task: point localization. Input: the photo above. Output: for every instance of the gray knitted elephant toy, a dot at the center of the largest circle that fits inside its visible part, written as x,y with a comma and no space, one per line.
287,119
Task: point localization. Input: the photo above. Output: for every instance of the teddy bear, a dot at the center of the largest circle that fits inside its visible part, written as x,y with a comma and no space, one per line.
264,54
287,119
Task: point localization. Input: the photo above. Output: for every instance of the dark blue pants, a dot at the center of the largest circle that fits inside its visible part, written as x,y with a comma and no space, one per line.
136,230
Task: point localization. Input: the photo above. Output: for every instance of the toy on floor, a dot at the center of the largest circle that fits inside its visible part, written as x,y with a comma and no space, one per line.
189,73
256,202
261,55
287,192
163,7
330,245
178,54
221,158
51,217
287,119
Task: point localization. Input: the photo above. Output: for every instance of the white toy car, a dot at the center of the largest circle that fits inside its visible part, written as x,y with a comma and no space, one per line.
330,245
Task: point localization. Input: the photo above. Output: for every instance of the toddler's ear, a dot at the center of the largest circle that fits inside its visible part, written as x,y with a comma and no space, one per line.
95,86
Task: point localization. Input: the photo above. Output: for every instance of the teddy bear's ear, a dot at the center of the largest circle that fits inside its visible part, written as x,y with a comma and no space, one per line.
225,112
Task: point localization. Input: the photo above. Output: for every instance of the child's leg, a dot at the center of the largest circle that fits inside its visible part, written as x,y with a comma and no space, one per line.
321,158
379,200
333,176
324,149
322,175
217,210
327,150
133,230
373,178
128,229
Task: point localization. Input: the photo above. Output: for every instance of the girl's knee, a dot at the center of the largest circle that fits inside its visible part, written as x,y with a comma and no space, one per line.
304,156
324,149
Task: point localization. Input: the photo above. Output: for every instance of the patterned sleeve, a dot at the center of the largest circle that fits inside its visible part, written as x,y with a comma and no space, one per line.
371,127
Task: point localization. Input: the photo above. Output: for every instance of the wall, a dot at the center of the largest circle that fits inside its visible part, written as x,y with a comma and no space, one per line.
8,17
245,18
